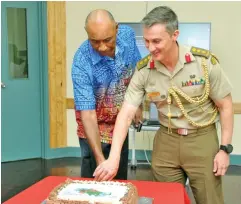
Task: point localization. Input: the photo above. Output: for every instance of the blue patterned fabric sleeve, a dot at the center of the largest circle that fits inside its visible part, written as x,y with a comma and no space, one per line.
82,83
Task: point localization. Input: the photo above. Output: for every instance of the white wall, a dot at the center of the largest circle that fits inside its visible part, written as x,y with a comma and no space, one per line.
225,18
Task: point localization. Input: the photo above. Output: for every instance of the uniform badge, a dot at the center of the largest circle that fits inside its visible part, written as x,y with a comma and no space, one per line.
152,64
193,81
155,96
187,58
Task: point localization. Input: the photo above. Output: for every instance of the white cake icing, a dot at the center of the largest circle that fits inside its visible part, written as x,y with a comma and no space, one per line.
109,192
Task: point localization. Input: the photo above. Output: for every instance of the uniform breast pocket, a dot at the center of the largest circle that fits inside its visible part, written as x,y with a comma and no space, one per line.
194,86
194,91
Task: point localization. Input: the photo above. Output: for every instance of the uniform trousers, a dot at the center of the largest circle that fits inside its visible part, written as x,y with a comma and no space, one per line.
176,157
88,162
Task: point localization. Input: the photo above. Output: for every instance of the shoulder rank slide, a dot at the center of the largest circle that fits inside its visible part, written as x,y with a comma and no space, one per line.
200,52
143,62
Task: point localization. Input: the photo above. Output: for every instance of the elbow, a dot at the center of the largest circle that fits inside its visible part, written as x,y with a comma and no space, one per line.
126,114
225,103
129,120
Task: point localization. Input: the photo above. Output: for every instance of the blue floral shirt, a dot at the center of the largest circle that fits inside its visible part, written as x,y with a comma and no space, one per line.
100,82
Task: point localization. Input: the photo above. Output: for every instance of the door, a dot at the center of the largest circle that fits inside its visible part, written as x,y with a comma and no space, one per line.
20,81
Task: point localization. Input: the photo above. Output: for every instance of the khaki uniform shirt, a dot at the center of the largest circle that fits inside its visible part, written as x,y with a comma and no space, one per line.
189,78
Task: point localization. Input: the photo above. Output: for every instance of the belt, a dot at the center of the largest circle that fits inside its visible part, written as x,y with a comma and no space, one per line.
184,131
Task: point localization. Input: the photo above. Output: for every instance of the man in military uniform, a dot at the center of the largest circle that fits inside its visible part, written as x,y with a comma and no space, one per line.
191,93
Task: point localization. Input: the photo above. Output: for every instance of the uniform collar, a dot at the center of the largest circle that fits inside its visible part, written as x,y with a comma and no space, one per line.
96,57
183,51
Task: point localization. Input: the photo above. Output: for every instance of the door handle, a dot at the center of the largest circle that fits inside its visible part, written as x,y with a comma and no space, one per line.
3,85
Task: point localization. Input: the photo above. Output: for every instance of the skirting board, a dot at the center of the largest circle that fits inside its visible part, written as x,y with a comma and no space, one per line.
140,154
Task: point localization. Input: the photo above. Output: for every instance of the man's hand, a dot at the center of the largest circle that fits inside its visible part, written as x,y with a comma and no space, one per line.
138,116
221,163
107,170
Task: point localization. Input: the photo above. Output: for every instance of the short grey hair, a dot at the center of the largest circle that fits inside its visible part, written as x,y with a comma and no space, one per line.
162,15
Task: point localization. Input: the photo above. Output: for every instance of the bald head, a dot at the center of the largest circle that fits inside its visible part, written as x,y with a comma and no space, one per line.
102,32
100,16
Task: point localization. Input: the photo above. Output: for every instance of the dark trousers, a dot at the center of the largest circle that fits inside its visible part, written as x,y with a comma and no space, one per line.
88,163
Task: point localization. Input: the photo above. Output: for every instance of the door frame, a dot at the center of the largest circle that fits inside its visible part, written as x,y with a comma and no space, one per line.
52,25
44,90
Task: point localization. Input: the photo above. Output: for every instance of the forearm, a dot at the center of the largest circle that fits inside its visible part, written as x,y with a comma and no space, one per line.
123,122
226,120
91,129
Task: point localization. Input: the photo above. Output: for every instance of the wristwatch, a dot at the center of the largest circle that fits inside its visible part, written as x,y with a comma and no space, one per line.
227,148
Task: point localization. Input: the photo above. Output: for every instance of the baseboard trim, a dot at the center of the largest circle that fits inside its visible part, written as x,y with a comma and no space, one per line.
55,153
235,159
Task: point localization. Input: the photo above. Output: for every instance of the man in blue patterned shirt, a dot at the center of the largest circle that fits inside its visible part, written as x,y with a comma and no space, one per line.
101,71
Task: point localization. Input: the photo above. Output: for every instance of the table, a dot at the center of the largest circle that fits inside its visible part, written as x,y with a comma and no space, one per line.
168,193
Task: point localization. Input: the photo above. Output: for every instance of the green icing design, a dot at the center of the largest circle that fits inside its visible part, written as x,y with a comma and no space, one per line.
92,192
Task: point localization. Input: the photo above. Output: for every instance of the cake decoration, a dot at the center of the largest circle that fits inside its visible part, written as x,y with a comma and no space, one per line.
92,192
